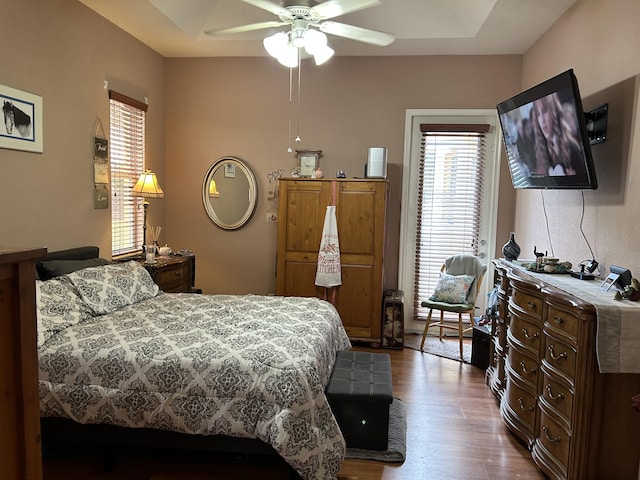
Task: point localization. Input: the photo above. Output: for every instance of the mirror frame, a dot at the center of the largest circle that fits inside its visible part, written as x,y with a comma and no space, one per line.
240,166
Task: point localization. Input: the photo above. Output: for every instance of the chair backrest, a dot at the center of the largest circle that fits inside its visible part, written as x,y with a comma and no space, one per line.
466,264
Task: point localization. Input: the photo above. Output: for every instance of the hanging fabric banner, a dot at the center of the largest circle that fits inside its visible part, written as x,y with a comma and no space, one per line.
328,273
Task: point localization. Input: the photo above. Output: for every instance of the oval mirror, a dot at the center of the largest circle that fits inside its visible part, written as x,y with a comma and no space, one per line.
229,193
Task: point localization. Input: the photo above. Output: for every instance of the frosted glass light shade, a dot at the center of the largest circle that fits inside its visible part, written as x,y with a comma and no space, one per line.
323,54
314,41
289,56
275,43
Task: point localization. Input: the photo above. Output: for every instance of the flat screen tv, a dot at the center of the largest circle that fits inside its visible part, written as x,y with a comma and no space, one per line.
545,136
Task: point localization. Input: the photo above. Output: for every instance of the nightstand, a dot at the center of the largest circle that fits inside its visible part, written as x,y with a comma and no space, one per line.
175,273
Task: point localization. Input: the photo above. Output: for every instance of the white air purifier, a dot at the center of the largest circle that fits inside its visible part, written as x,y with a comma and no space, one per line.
376,163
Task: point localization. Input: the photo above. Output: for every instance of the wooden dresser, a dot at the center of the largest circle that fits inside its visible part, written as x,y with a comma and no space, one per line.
20,448
577,422
361,215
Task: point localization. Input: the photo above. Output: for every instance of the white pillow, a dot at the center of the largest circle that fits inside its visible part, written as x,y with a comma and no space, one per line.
58,306
452,288
108,288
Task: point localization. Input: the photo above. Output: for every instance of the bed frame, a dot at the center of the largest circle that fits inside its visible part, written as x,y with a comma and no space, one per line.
109,438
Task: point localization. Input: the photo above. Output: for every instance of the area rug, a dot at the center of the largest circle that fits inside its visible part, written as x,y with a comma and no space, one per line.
397,444
447,347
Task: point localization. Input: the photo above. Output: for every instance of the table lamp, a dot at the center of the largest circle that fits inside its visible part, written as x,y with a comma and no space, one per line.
146,187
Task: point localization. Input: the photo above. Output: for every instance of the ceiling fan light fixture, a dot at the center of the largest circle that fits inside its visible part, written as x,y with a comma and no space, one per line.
276,43
323,54
288,56
314,40
298,39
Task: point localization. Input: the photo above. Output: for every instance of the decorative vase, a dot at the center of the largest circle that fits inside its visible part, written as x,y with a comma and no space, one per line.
511,249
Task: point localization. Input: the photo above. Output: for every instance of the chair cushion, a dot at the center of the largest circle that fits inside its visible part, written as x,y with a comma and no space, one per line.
450,307
452,288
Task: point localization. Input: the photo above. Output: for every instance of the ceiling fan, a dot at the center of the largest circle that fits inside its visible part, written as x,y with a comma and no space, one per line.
302,14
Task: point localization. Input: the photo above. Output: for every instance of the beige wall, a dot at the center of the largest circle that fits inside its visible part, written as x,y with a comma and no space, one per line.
62,51
240,107
600,41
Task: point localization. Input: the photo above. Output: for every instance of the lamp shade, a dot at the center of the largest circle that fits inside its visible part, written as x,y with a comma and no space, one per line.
147,186
314,40
213,190
323,54
275,43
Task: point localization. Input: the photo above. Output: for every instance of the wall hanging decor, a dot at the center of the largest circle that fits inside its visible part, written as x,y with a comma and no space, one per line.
22,125
100,168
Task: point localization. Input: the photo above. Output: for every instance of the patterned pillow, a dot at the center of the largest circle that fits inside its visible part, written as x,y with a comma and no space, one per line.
108,288
58,306
452,288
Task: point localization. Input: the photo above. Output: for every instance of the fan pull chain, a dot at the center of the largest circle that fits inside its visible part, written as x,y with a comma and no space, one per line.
298,139
290,97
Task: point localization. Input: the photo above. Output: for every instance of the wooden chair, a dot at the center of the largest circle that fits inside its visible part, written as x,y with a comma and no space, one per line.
456,265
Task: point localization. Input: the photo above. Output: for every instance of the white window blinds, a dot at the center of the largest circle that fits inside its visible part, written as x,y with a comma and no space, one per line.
449,200
127,147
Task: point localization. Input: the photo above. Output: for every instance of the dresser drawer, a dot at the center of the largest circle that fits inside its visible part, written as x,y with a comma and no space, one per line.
563,321
522,403
172,276
527,303
555,438
561,356
557,395
525,367
527,333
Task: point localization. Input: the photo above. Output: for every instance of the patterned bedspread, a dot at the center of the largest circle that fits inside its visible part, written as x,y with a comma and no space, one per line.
245,366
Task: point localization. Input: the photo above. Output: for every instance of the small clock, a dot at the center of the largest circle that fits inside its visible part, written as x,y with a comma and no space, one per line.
307,161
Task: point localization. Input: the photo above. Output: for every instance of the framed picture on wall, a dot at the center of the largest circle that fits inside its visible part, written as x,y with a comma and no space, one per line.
21,128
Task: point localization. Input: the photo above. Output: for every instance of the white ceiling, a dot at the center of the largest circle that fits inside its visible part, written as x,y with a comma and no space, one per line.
175,28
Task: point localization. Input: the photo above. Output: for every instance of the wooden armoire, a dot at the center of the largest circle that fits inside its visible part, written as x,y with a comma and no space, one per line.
361,206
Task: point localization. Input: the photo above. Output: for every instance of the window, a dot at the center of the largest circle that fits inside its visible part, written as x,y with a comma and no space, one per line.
450,186
127,147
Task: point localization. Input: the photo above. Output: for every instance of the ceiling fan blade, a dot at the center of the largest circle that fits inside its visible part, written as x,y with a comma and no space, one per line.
335,8
247,28
357,33
269,7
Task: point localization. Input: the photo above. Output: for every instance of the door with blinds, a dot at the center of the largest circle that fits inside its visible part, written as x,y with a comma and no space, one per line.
450,202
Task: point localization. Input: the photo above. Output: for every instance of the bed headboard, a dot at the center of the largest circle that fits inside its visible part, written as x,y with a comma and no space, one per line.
67,261
78,253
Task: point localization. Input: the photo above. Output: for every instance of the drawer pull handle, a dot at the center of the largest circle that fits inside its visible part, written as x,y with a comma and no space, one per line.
524,369
529,337
531,305
546,432
523,406
552,354
558,320
560,396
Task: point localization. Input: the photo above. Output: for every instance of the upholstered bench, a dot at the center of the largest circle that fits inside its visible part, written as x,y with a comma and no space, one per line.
359,393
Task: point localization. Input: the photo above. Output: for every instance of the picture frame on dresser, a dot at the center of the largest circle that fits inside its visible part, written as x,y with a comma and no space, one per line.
308,161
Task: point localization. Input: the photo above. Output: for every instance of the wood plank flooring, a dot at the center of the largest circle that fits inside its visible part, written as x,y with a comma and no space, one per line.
454,433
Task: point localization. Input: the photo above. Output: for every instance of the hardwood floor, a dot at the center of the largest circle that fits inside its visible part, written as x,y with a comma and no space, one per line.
454,432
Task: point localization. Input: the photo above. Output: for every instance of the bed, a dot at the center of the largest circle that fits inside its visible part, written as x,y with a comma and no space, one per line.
114,351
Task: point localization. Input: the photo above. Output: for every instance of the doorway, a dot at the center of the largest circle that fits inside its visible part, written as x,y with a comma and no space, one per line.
487,213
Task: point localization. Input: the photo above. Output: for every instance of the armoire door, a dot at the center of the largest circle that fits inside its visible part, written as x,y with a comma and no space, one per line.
360,213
